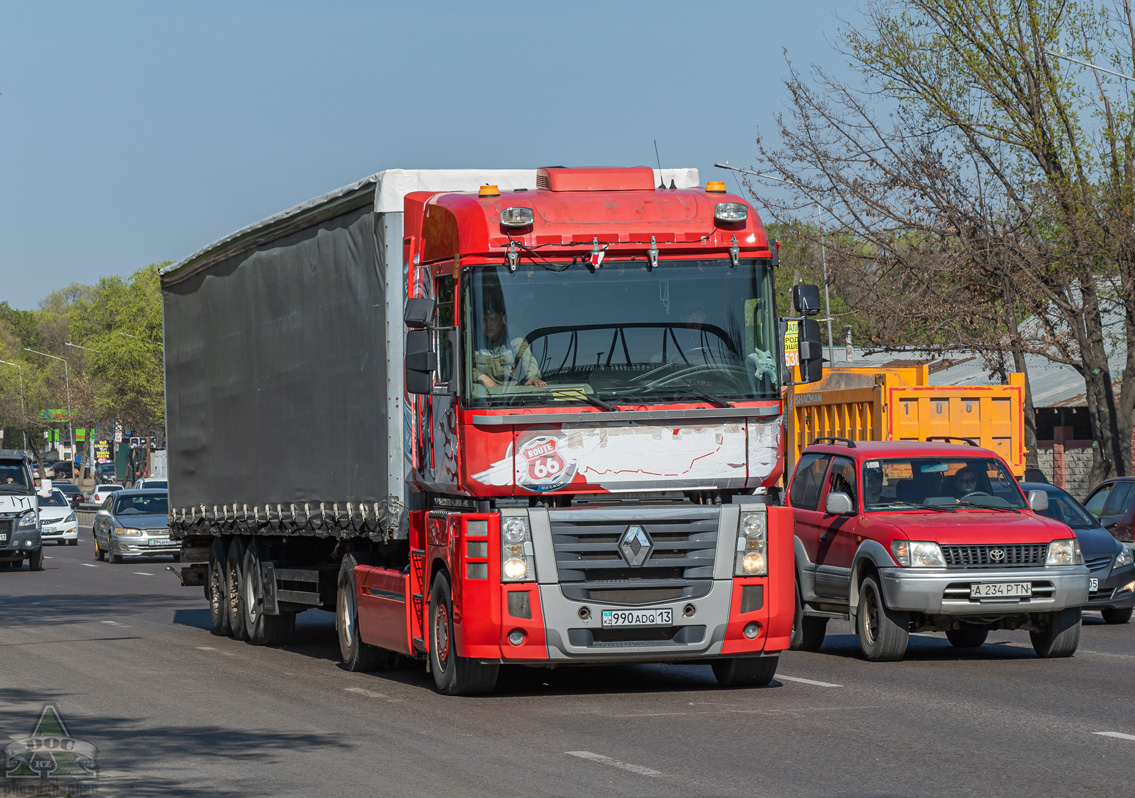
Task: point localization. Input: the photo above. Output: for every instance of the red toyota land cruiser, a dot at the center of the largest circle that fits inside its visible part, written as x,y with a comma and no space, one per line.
908,536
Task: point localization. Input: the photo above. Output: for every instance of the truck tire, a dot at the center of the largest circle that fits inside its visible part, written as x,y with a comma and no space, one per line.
1116,615
883,632
356,655
745,671
453,675
967,636
215,589
35,560
807,632
1061,636
260,628
232,588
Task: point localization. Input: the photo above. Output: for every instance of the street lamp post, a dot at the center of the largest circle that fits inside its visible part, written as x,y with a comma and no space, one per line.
67,378
23,403
823,249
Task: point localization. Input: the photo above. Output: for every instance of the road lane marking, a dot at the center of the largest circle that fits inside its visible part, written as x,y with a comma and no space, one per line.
1120,735
606,760
142,573
367,693
88,565
778,677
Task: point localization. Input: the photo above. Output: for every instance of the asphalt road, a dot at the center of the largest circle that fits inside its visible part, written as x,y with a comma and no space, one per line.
125,656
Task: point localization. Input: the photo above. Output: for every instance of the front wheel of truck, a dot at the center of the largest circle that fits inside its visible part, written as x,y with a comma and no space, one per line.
356,655
453,675
883,633
807,632
215,590
1061,635
745,671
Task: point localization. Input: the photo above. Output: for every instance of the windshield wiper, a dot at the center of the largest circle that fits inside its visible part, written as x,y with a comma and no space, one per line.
988,506
571,395
901,503
713,399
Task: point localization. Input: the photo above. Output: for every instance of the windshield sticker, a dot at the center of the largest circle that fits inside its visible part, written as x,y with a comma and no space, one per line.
764,364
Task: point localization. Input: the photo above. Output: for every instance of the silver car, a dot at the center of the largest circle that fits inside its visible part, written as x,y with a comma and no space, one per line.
133,523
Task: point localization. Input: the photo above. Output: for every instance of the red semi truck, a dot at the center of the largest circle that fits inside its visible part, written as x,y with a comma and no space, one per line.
514,417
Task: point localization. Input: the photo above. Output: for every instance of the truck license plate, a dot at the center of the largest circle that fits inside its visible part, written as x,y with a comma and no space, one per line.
980,590
658,617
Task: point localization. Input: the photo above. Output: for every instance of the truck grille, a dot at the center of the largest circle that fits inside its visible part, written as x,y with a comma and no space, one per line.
1014,555
592,568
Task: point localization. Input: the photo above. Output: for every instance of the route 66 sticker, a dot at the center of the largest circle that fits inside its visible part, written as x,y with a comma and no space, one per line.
541,467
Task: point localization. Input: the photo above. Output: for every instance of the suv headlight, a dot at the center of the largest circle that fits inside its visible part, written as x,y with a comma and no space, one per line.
27,520
752,544
1064,552
517,561
918,554
1123,558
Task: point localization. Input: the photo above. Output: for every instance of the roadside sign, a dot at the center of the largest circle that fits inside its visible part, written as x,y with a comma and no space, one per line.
792,345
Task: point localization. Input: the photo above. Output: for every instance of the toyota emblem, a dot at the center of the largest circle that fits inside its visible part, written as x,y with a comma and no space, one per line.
997,555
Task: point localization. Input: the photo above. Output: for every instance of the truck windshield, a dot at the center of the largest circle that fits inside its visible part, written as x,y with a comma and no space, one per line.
14,477
694,330
895,483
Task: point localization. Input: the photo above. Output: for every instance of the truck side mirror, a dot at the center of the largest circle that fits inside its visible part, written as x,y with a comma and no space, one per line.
419,312
806,299
421,361
839,504
811,351
1038,500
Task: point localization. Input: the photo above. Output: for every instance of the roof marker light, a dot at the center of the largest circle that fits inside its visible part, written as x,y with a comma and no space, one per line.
730,212
489,190
518,217
715,187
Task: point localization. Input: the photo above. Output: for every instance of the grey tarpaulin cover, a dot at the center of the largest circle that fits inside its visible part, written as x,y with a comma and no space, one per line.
276,378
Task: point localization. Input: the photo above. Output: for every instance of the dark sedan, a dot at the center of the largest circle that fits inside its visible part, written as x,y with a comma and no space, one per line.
133,523
71,491
1111,585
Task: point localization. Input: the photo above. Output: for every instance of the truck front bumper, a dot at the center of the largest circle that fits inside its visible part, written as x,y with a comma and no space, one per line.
940,591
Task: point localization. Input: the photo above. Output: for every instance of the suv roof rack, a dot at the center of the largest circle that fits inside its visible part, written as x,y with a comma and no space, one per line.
948,438
832,439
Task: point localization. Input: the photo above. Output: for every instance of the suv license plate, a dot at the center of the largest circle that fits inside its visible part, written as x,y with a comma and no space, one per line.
659,617
982,590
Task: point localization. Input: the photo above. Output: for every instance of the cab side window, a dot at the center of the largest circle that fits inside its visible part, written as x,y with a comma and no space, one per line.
842,479
1096,501
808,480
1120,500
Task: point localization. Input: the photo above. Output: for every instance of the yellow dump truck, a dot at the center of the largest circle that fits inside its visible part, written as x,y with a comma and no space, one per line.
900,404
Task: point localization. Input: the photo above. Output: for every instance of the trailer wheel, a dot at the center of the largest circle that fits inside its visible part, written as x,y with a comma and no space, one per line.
232,588
215,591
260,628
357,655
453,675
1062,635
745,671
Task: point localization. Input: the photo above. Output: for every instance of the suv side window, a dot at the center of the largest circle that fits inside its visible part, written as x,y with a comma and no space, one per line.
1120,499
1096,501
807,481
842,478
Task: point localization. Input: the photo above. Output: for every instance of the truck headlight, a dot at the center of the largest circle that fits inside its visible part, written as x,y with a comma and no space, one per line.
918,554
27,520
752,544
1123,558
517,561
1064,552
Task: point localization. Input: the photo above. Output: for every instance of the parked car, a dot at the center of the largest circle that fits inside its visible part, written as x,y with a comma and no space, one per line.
35,471
902,536
101,492
71,491
152,482
1111,586
1113,503
64,468
134,523
105,473
57,519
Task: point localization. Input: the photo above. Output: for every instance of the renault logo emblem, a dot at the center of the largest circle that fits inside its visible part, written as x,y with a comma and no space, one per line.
635,545
997,555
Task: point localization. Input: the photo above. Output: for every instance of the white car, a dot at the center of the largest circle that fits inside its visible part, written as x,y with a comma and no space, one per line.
57,519
151,482
102,491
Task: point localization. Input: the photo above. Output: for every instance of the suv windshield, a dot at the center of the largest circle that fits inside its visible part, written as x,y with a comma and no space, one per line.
14,477
692,330
939,481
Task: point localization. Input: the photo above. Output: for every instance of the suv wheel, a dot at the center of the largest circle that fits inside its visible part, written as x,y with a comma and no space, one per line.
883,632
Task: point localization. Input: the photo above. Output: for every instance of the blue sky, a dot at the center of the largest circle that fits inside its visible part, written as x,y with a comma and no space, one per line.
138,132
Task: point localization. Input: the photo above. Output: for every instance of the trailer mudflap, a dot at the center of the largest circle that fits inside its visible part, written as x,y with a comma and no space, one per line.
192,575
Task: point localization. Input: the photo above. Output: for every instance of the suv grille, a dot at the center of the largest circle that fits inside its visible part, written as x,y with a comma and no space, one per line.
1016,555
591,568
